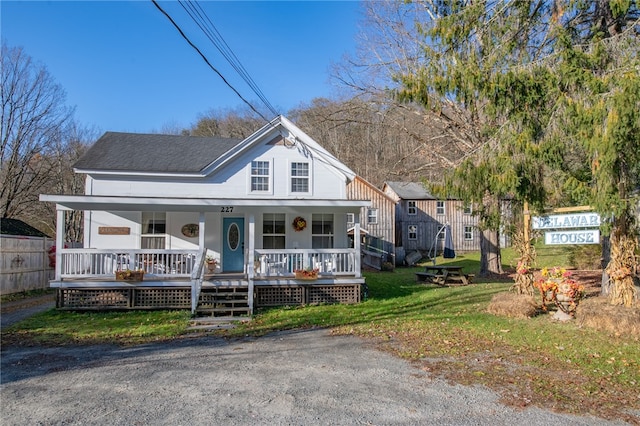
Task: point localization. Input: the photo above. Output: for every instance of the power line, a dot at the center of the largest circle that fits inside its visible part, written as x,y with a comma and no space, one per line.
207,61
200,17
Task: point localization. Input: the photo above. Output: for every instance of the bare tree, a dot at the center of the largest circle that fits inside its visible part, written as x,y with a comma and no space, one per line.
34,119
63,180
228,123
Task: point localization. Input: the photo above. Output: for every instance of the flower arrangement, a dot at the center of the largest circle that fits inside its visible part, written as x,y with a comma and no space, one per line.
557,282
299,224
306,274
129,275
211,259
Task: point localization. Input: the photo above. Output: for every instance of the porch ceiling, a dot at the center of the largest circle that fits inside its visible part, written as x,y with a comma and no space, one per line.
89,202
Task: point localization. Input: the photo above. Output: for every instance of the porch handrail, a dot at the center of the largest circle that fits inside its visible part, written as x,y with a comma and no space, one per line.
197,276
284,262
101,263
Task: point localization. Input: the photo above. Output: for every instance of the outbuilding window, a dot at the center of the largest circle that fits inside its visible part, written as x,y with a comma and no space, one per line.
413,232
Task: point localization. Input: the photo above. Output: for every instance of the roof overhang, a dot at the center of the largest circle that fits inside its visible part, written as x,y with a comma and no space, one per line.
123,203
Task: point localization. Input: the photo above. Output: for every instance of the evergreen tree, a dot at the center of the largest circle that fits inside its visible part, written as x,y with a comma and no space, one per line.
558,83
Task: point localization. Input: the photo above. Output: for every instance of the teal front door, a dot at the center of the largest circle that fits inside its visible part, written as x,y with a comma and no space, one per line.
233,244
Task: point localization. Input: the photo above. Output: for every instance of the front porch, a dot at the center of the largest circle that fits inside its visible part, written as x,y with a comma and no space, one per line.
178,279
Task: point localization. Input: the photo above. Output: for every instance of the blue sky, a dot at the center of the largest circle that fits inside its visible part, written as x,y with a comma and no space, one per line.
126,68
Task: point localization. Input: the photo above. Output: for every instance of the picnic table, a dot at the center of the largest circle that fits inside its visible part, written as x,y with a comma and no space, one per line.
444,275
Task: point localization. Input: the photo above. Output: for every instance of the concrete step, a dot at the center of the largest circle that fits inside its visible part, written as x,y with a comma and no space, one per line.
210,323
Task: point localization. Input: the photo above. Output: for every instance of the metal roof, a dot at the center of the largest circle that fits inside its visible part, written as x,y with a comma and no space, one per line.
411,190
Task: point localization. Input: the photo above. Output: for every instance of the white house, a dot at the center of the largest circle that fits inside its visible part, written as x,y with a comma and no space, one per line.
263,208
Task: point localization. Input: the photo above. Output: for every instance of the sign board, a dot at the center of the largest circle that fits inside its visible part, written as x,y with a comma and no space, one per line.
114,230
587,236
565,221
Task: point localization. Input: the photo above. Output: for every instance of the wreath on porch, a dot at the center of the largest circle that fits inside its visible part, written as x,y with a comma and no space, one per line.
299,223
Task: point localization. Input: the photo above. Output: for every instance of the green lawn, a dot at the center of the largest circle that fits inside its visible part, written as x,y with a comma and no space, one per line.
443,330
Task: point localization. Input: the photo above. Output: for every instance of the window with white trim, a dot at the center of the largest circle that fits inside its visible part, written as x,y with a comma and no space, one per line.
412,232
468,233
372,216
467,209
154,230
273,230
299,177
440,207
412,208
322,230
351,218
260,175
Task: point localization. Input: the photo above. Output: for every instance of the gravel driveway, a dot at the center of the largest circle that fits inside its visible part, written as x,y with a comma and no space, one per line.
289,378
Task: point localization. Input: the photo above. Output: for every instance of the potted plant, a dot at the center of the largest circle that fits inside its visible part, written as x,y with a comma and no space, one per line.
307,274
129,275
212,263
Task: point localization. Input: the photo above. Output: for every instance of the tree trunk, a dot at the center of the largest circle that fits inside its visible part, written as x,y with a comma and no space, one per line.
490,258
605,286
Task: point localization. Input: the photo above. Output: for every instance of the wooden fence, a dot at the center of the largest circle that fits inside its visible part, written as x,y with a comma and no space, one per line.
24,263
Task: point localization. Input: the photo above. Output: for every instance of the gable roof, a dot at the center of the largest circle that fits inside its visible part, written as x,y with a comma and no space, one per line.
132,152
410,190
18,227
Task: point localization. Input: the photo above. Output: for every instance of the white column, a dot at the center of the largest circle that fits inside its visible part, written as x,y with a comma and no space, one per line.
201,232
251,259
59,240
356,245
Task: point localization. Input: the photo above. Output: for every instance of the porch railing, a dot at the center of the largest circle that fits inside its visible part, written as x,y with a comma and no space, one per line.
96,263
285,262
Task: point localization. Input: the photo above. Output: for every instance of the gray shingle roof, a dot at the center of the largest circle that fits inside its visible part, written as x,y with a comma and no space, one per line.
153,153
18,227
410,190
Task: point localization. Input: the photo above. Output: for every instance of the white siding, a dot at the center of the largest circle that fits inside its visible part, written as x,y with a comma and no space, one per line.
233,181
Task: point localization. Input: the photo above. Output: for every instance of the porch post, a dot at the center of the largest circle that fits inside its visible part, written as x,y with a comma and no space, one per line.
356,245
59,240
251,259
201,231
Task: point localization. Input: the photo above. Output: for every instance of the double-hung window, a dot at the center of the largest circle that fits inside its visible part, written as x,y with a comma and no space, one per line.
412,208
412,232
260,176
351,218
299,177
321,231
468,233
154,230
273,230
372,216
440,208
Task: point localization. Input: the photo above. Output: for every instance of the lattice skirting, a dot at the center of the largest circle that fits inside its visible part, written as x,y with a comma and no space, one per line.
307,294
124,298
180,297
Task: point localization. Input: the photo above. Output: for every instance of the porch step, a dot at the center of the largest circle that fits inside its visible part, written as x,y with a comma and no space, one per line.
228,301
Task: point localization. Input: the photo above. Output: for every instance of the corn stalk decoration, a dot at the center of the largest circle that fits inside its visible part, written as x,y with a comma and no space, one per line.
524,270
622,267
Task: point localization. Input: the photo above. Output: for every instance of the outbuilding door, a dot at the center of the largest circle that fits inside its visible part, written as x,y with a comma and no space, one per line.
233,244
